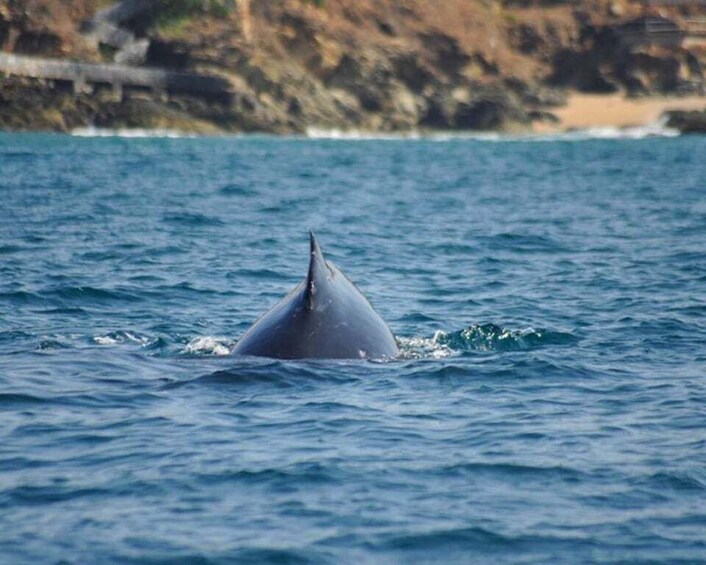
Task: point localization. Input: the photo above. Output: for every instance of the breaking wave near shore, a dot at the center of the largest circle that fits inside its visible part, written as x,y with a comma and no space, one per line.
658,128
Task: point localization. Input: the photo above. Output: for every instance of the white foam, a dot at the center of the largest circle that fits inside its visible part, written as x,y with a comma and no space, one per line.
130,133
656,129
208,345
363,135
424,348
359,135
105,340
114,338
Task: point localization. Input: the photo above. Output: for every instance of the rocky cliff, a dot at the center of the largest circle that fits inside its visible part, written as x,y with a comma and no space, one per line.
369,65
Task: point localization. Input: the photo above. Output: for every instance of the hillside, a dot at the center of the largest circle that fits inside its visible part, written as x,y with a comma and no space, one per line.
368,65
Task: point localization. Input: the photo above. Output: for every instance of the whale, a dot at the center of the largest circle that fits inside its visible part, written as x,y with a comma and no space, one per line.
326,316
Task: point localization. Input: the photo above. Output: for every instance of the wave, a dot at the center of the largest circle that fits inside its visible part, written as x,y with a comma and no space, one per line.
15,399
423,348
489,337
69,293
441,345
91,293
131,133
214,346
360,135
274,373
208,345
673,481
655,129
193,219
481,338
122,336
479,544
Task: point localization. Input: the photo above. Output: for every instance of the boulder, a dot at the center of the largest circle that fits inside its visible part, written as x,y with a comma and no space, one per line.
687,122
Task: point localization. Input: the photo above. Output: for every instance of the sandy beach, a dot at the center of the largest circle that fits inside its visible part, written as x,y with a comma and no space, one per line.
615,110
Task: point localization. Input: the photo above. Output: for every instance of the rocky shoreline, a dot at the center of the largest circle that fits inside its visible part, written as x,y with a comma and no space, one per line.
373,66
687,122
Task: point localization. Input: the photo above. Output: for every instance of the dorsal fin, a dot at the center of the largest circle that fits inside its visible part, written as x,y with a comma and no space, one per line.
318,272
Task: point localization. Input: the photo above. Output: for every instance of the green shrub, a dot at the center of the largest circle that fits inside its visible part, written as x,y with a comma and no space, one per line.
177,9
173,15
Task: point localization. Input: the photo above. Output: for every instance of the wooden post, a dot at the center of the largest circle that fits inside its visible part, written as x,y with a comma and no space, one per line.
160,93
81,85
117,91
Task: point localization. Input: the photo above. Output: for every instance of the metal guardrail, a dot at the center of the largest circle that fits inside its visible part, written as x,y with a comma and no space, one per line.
121,11
116,75
695,27
664,31
651,28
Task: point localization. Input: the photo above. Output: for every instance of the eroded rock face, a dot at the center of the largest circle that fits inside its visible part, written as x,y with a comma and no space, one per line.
687,122
369,64
612,58
44,27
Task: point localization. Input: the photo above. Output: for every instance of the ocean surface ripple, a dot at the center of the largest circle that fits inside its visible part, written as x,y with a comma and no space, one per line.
547,406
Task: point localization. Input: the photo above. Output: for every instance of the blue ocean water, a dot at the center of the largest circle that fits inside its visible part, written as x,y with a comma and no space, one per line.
548,407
